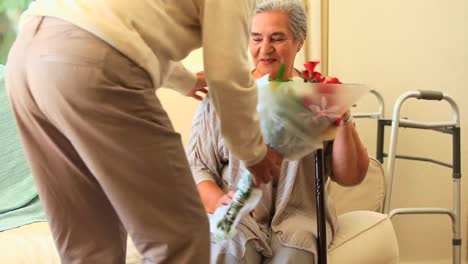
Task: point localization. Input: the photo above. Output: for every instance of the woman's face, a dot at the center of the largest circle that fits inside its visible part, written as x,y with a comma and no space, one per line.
272,43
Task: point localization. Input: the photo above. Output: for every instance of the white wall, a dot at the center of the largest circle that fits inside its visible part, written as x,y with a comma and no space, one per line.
396,46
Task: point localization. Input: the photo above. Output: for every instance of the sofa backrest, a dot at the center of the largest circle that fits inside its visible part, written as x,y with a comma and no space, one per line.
368,195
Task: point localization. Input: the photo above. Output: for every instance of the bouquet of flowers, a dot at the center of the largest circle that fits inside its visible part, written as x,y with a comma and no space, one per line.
296,116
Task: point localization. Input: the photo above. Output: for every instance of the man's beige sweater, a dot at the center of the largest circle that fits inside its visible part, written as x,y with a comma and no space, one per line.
157,34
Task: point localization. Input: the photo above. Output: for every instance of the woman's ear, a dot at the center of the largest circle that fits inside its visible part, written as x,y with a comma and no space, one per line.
300,46
301,43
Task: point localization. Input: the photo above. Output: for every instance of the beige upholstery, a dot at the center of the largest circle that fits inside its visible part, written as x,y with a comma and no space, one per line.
369,195
33,244
364,235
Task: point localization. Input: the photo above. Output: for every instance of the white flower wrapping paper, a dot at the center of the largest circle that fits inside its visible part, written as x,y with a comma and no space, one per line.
295,118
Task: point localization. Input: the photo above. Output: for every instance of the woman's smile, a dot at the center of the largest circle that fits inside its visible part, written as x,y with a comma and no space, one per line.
267,61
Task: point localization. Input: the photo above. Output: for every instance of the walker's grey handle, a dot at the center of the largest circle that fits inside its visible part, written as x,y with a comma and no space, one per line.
430,95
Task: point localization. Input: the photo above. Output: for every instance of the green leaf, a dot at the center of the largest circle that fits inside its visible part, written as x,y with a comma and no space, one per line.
279,75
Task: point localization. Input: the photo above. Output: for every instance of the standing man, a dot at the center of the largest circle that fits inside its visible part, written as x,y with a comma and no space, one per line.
82,76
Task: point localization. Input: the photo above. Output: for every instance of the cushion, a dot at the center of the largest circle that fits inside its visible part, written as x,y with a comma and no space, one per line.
33,243
367,196
364,237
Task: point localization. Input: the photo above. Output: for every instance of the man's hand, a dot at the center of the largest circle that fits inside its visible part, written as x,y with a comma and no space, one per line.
200,86
269,167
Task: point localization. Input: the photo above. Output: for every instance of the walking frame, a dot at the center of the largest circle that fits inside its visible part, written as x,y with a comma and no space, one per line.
447,127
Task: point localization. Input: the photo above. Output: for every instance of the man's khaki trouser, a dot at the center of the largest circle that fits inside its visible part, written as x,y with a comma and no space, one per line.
103,152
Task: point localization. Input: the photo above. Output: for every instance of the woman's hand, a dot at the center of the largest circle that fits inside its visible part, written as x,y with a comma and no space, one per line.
225,199
200,86
343,119
212,196
335,124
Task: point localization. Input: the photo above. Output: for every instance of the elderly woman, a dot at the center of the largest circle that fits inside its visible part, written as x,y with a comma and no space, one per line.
282,228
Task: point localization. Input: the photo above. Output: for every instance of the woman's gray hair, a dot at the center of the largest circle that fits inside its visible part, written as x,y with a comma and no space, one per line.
295,10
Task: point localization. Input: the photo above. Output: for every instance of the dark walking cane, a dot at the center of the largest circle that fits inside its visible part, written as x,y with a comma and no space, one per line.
320,204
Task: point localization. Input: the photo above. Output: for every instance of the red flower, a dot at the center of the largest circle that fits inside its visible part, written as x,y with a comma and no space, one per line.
331,80
310,65
311,75
317,77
